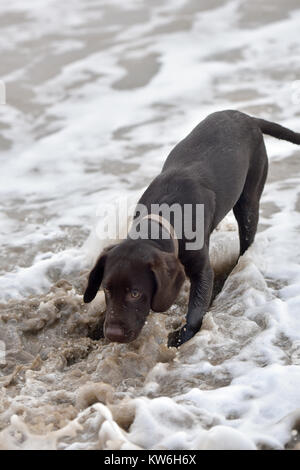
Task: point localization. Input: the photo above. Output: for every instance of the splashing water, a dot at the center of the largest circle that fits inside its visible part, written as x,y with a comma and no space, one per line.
96,97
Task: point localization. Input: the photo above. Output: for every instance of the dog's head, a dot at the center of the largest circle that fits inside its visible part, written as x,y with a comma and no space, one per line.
135,276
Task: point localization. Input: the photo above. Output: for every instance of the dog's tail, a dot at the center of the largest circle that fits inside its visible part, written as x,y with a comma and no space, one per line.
280,132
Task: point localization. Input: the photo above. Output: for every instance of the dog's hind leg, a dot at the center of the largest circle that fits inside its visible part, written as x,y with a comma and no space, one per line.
246,210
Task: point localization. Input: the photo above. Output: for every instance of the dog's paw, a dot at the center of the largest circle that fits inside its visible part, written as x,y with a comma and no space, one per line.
174,339
178,337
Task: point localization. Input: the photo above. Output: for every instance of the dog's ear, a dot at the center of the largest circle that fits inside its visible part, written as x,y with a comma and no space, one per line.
169,277
96,276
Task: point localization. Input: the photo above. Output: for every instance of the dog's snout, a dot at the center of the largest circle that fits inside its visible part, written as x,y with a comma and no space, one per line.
115,333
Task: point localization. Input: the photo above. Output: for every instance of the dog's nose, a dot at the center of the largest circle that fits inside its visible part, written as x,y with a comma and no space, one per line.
115,333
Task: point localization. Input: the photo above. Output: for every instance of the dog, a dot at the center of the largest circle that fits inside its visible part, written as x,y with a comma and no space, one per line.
222,164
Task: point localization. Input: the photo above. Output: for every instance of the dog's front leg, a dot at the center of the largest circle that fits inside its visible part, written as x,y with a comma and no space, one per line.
199,301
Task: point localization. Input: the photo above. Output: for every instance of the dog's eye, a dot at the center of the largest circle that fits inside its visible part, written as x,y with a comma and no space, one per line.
107,291
135,294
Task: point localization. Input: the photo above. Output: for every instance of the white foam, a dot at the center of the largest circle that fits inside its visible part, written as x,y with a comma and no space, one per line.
236,384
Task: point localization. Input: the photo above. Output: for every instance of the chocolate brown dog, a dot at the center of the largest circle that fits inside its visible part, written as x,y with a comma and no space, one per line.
221,164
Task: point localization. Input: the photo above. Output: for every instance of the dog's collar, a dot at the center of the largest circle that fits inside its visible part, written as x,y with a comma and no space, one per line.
168,227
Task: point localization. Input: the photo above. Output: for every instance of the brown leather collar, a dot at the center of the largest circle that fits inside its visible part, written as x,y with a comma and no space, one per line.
167,226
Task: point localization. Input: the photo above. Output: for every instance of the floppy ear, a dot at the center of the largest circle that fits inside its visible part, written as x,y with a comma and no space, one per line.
169,277
95,277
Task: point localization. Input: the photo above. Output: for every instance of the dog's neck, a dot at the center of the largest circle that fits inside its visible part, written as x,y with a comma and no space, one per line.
168,227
